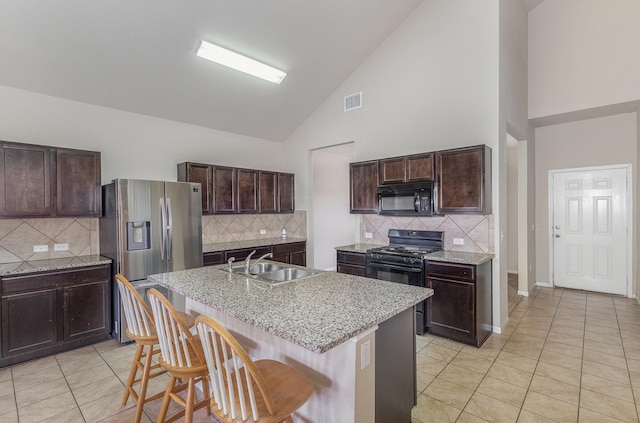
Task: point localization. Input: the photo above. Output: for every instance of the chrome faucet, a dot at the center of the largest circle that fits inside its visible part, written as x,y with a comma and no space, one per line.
247,261
229,263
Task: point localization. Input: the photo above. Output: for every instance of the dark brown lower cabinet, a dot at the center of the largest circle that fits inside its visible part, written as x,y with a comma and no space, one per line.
291,253
460,307
351,263
48,312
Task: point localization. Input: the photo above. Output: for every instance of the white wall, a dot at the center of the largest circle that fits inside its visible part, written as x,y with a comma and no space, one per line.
433,84
603,141
132,145
512,204
583,54
331,225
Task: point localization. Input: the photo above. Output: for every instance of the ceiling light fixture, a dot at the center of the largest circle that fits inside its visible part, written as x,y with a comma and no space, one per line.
239,62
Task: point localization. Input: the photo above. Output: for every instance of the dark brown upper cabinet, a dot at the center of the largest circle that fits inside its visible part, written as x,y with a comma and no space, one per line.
464,180
235,190
224,189
286,193
247,191
364,187
41,181
414,168
202,173
78,181
268,191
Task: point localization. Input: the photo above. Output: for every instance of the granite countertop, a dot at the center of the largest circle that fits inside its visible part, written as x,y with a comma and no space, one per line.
462,257
317,313
358,248
51,264
236,245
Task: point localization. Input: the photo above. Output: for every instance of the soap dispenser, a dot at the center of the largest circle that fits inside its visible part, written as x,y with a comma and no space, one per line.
284,233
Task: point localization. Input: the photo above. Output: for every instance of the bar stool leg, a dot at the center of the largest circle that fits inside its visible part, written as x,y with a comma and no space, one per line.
132,374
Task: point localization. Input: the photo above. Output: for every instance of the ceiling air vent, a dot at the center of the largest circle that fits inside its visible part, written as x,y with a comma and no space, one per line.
353,101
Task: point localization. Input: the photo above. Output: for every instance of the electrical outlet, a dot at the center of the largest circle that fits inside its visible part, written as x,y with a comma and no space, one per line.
40,248
60,247
365,354
458,241
368,235
263,231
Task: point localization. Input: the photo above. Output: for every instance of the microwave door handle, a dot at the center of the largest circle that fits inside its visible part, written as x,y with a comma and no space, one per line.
416,202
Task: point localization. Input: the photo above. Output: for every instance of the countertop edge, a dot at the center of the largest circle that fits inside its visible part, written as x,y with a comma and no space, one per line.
252,243
48,265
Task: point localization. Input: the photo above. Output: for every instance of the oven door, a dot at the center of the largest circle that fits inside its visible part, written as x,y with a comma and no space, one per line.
405,275
395,273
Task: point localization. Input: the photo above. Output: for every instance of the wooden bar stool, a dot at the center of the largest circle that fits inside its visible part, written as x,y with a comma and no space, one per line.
140,328
264,391
182,357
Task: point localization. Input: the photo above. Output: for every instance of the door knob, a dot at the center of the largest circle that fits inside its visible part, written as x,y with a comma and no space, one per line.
557,236
557,227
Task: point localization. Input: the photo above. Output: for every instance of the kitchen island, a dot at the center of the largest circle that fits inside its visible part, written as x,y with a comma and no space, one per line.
354,337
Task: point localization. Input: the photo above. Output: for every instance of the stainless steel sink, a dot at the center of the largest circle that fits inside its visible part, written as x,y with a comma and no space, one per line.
273,274
259,268
286,275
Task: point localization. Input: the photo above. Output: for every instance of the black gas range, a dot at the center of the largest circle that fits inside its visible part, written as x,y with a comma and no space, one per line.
402,261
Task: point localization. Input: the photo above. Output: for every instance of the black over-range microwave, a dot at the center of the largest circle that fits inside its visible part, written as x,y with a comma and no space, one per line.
410,199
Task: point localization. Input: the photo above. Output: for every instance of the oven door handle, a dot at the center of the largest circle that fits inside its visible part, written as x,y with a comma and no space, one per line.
392,267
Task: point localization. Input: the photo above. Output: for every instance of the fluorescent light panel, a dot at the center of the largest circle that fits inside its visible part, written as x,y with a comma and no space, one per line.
239,62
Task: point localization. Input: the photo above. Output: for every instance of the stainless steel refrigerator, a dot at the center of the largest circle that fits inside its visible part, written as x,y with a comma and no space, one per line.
149,227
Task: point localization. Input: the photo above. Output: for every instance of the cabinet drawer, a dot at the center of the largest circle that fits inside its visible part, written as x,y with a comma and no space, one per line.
351,270
50,280
288,248
357,259
452,270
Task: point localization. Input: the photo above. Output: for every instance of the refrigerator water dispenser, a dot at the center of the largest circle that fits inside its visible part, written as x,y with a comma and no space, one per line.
138,235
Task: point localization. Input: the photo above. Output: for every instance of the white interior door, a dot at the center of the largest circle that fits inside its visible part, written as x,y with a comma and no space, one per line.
590,230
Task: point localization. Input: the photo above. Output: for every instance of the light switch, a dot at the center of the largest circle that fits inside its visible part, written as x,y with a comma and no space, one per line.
365,354
458,241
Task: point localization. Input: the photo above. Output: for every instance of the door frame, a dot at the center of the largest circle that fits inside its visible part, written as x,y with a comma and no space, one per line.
629,211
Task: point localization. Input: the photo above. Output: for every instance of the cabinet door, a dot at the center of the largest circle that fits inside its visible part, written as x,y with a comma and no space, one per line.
286,192
450,310
25,180
299,258
464,180
210,259
224,189
392,170
196,172
364,187
267,192
86,310
419,167
247,191
78,182
29,322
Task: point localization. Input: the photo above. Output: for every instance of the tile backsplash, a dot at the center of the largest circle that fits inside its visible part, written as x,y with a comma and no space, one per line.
242,227
18,236
477,231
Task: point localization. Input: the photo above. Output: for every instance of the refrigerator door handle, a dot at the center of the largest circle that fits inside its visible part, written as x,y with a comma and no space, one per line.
163,218
169,231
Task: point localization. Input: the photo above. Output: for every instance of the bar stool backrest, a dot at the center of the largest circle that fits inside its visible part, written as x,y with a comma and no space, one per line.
237,386
177,344
137,313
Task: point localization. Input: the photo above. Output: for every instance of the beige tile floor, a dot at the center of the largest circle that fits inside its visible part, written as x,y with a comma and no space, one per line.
566,356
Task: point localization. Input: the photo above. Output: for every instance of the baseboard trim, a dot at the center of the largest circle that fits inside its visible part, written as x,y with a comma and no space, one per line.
500,329
544,284
523,293
515,272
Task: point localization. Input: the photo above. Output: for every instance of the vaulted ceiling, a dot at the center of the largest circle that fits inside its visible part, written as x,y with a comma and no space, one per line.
139,55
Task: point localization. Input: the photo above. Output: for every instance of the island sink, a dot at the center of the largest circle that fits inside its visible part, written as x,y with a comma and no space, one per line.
273,274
